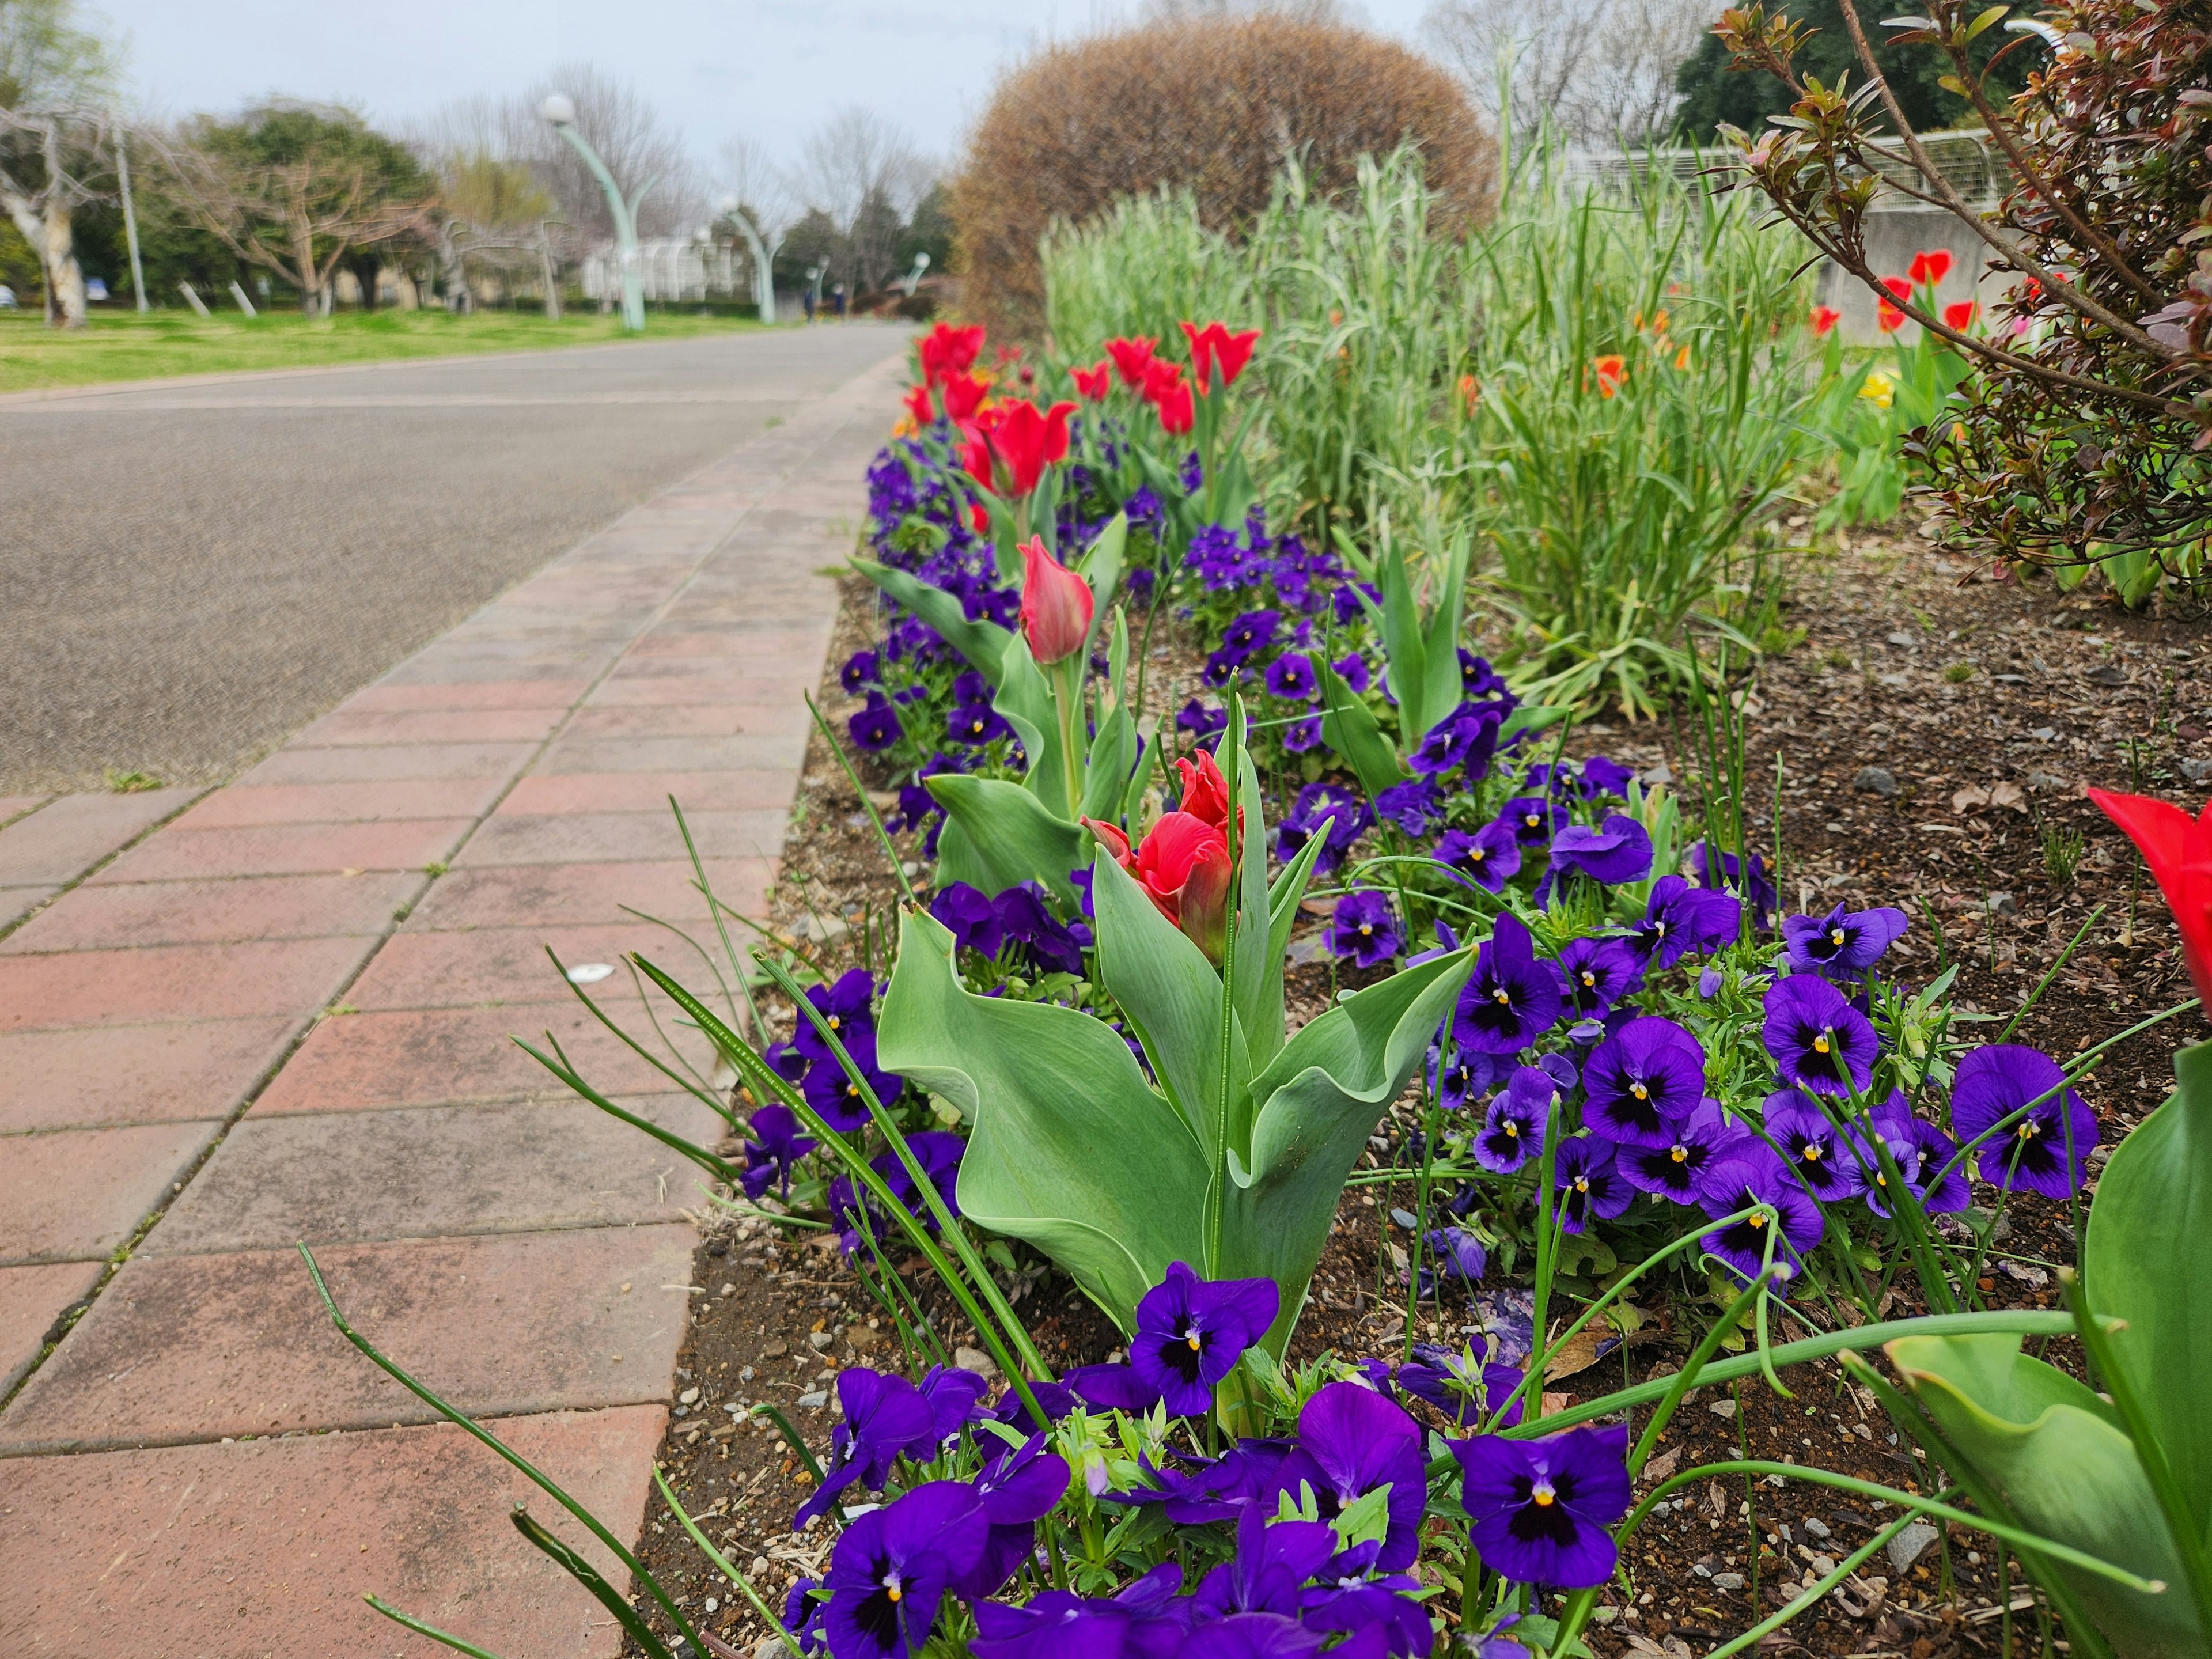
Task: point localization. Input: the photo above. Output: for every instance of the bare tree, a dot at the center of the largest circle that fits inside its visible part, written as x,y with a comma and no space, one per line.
865,174
765,190
1601,72
639,148
55,81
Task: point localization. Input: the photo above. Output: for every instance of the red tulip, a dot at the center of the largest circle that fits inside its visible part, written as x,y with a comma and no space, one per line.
1183,867
1215,346
2178,850
979,518
947,350
1961,315
1825,317
1178,411
964,394
1028,440
1204,791
1930,267
1056,605
1612,371
918,406
1093,384
1887,318
1133,357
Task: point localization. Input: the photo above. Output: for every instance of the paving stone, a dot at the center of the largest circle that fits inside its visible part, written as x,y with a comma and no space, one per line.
15,806
17,902
302,764
769,788
432,725
642,740
214,912
135,1074
267,1547
726,644
515,895
75,1194
175,982
183,1348
441,693
783,682
742,668
245,805
433,1171
584,837
31,1299
63,839
285,849
419,969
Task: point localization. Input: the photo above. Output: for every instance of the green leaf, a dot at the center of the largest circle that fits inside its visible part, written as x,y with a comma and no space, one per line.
2053,1453
999,835
1068,1146
1349,726
585,1574
1985,21
1364,1521
1101,567
2148,1261
1317,1103
1532,717
983,644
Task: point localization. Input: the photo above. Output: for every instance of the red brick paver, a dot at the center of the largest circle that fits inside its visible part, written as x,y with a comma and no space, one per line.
318,972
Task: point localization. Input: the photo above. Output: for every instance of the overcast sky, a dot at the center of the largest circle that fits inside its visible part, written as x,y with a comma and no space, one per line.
717,67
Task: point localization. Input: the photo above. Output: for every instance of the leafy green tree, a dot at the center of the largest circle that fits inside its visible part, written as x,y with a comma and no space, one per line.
294,188
1714,94
55,80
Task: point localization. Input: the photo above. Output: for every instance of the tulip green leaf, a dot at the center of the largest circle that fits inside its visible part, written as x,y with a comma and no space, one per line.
2055,1454
2148,1261
997,836
1068,1146
1349,727
983,644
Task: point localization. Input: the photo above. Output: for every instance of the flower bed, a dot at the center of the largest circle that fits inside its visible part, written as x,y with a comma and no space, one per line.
1640,1098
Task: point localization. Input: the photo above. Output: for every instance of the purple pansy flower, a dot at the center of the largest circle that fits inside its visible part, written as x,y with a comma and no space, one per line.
1601,776
976,723
1532,819
775,1145
1351,1440
1617,851
844,1007
1489,857
1753,1175
1291,677
1512,998
1302,736
1724,870
1051,945
836,1096
892,1567
970,917
886,1418
1642,1081
1018,1488
1351,669
1456,1081
1589,1183
1344,811
1453,1253
2033,1151
1463,741
876,727
1926,1158
1596,973
1413,806
1817,1148
1513,1129
1461,1387
1819,1042
1677,1171
859,669
1362,928
1843,943
1203,724
1679,919
954,1399
1190,1334
1253,632
1542,1510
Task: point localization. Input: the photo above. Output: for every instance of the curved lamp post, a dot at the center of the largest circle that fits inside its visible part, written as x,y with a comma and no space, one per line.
912,280
561,113
763,257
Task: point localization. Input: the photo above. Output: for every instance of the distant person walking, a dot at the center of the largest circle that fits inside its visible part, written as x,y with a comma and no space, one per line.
806,299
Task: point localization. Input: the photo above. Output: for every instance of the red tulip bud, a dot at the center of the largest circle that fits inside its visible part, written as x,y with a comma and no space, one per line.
1056,605
1184,867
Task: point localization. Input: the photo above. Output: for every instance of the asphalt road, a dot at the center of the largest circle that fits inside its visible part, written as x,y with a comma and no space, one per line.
191,573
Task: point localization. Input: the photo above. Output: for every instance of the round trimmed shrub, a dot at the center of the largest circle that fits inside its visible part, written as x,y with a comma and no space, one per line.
1212,106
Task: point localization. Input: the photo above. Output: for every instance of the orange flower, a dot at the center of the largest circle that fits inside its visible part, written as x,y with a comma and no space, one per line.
1825,317
1682,358
1470,391
1611,370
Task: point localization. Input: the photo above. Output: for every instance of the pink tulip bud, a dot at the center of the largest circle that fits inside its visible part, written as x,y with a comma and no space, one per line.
1056,605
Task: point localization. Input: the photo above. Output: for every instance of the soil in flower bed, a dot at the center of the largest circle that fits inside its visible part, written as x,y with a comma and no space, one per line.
1936,730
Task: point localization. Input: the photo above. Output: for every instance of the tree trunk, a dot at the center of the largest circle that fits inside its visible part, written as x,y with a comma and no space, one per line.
65,277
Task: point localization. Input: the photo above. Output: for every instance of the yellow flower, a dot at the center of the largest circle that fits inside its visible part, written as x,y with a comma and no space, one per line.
1878,390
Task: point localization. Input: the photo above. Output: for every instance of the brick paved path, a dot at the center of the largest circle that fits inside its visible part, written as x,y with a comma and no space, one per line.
220,1041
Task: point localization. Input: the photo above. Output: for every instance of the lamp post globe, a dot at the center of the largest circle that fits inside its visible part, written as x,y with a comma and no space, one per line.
559,110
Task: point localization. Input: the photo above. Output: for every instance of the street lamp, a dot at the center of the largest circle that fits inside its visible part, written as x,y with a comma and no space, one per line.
763,257
561,113
912,280
814,274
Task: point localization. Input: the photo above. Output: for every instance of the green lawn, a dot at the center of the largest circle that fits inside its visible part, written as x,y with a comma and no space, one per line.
124,346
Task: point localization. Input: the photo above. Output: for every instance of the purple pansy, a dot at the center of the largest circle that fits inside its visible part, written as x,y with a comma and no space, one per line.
1464,1389
1843,943
1542,1510
1926,1158
1715,869
1817,1148
1302,736
1601,776
876,727
1051,945
955,1398
1351,1440
1616,851
1679,919
1753,1175
1513,1129
1818,1041
1018,1488
1995,1082
1489,857
1512,998
1463,741
774,1146
969,916
1251,633
1677,1171
836,1096
1341,809
859,669
1532,819
1413,806
1190,1334
844,1007
1457,1080
1362,929
1642,1081
1291,677
892,1567
1595,974
886,1418
1351,669
1589,1183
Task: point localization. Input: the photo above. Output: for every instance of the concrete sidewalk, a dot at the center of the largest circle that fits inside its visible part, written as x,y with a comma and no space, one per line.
284,1013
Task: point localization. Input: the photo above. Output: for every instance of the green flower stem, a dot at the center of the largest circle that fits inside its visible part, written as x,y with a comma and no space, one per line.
883,835
431,1631
722,1566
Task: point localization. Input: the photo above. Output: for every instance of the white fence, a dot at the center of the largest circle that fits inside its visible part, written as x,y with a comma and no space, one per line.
671,270
1974,166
